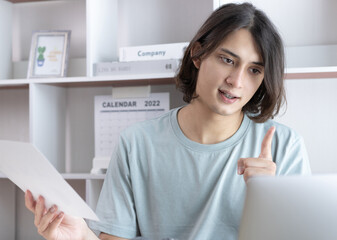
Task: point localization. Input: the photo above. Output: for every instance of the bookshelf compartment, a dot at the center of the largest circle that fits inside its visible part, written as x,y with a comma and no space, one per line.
14,112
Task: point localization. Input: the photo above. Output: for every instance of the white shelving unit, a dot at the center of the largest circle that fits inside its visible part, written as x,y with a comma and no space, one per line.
56,114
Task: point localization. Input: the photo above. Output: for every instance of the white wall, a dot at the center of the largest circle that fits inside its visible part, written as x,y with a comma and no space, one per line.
5,40
164,21
311,111
14,114
301,22
7,209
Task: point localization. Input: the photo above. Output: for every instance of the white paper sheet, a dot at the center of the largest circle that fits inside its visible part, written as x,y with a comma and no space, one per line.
23,164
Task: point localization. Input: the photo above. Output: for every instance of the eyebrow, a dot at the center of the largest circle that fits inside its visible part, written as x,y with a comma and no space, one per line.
238,57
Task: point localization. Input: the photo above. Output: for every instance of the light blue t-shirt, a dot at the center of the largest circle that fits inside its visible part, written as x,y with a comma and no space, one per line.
160,184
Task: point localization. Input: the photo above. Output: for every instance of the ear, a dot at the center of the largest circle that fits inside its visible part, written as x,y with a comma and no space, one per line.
195,48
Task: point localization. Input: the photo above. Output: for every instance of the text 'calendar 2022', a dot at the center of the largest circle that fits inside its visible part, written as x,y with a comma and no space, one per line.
113,115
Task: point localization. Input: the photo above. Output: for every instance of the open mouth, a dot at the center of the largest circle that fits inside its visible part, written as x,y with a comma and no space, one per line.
227,95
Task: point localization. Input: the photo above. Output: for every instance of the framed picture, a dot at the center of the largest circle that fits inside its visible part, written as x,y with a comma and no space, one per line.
49,54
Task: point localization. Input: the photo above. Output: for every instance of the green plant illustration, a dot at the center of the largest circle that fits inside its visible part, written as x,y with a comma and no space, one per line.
40,58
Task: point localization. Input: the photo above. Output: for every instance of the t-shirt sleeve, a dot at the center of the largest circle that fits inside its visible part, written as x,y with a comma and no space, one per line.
295,159
115,207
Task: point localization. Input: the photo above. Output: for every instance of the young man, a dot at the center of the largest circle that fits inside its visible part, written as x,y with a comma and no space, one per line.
183,175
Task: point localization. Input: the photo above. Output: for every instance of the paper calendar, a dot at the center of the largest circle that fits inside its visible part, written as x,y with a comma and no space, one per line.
113,115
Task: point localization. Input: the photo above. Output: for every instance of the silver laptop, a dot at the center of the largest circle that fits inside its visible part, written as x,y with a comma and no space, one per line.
290,208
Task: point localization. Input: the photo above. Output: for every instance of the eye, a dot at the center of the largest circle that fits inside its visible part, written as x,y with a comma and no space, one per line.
255,71
227,60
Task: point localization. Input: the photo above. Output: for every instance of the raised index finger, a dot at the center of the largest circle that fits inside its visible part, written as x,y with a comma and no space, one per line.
266,144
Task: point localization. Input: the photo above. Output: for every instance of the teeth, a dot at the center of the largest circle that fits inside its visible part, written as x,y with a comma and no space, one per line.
229,96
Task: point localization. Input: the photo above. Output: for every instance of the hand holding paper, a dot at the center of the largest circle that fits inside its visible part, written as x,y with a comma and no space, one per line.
56,226
23,164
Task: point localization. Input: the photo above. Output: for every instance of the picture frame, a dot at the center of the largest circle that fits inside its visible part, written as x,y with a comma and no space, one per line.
49,54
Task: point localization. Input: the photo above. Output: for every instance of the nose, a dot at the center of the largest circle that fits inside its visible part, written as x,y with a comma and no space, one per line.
235,78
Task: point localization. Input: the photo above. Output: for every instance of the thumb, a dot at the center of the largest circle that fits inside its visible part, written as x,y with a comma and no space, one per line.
266,144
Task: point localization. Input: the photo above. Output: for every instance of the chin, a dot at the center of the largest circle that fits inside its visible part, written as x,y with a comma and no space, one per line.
226,112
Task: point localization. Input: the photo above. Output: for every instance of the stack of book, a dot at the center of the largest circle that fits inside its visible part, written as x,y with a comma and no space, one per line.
159,58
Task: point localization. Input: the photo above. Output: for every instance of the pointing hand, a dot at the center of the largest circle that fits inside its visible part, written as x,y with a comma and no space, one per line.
261,166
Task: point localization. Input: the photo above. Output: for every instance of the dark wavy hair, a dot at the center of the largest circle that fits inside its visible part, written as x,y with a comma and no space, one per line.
269,97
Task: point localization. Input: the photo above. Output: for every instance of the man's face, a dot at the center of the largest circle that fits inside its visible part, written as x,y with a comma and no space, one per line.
229,76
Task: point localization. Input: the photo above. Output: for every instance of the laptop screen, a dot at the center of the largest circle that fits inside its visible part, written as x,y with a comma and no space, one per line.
290,207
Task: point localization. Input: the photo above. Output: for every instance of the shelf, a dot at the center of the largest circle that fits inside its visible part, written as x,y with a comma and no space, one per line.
311,73
74,176
83,176
135,79
25,1
158,78
14,83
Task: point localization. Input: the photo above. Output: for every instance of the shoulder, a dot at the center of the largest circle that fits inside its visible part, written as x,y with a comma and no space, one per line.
283,133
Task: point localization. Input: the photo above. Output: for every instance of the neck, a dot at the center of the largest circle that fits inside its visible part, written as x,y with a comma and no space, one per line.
207,127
